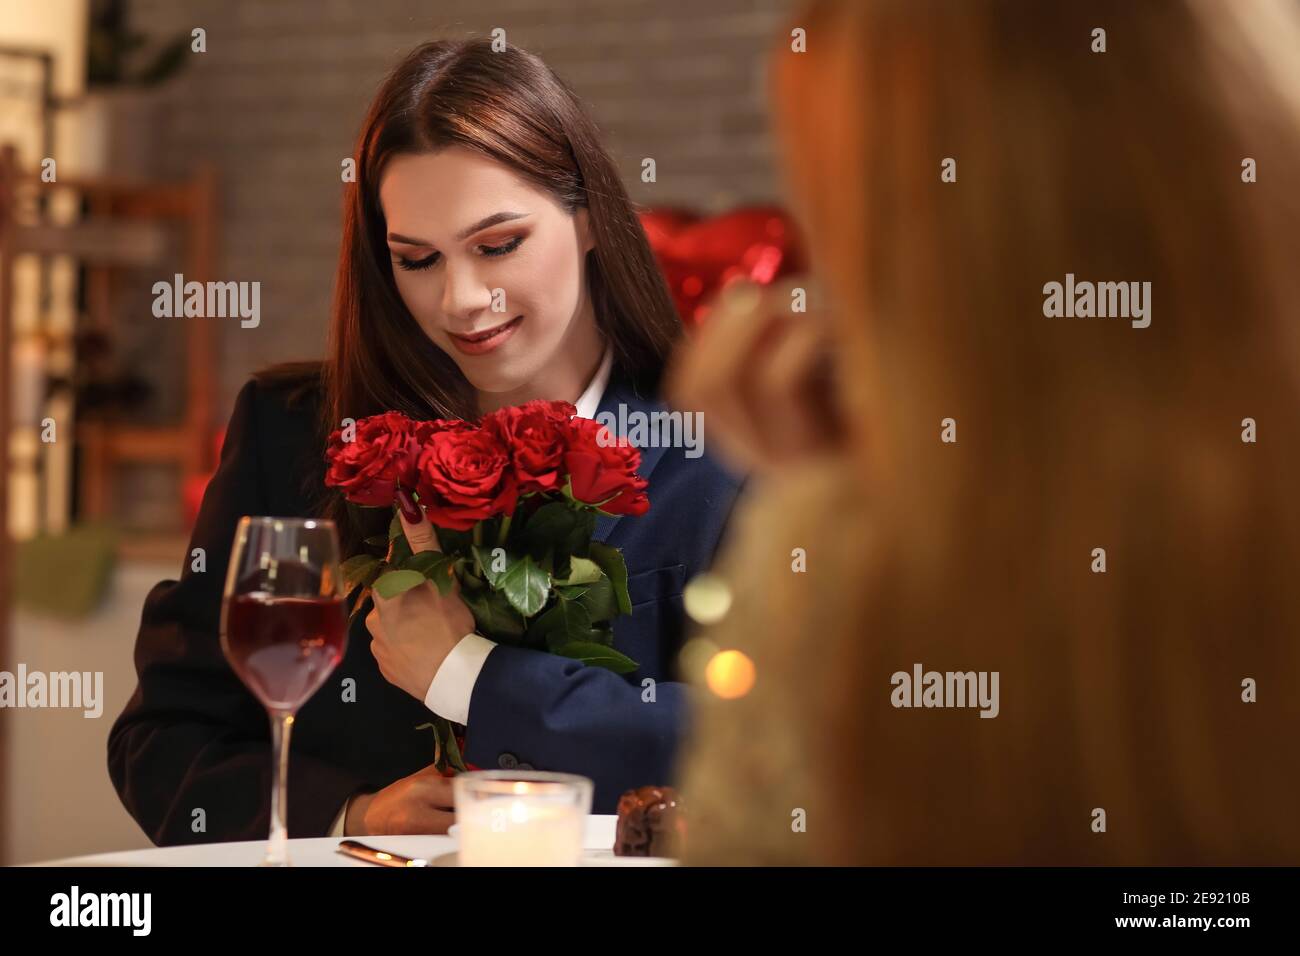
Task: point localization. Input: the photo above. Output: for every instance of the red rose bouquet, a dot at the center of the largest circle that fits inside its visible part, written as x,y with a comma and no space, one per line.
514,501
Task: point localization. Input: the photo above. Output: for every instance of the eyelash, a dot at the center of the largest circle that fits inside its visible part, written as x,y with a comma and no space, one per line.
418,265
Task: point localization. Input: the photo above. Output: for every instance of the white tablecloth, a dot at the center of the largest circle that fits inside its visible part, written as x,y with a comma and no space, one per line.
322,851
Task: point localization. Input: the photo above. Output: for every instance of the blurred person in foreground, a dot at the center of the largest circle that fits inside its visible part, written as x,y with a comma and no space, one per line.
1125,691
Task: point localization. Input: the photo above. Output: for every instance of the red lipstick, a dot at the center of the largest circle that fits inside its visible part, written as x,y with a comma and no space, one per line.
480,343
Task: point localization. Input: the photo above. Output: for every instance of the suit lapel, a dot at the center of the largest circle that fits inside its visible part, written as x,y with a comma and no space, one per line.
620,392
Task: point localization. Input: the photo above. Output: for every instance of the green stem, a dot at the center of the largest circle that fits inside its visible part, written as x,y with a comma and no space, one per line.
451,748
505,530
478,541
389,556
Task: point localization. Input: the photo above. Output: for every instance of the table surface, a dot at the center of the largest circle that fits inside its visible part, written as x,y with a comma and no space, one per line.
323,851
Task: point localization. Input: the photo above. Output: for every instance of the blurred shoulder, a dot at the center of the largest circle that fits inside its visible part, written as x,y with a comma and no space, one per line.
276,425
277,411
288,393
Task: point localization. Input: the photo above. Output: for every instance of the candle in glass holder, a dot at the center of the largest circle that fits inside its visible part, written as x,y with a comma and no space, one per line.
521,818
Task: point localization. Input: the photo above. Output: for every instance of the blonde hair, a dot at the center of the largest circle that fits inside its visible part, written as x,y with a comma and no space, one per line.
1120,691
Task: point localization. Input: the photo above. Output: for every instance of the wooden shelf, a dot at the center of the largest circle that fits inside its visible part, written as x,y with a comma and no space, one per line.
129,224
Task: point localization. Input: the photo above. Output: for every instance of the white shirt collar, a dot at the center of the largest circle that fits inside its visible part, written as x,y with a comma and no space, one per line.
589,401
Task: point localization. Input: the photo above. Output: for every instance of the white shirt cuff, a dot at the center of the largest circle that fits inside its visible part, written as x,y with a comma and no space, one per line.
452,687
336,829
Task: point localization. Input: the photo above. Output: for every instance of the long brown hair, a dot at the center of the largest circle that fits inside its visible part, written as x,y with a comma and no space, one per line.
509,106
1120,691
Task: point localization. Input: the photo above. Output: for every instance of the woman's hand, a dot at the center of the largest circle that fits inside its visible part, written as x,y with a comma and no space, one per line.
414,632
420,803
761,374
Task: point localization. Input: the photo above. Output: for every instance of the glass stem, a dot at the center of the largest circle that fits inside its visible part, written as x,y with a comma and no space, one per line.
277,850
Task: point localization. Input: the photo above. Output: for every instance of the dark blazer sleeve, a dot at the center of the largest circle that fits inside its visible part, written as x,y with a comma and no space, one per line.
543,707
192,738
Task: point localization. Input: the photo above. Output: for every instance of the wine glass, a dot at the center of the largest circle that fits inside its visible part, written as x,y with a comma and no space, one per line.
283,629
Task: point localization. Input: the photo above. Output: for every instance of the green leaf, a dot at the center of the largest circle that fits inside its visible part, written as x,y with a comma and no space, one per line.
454,542
446,752
547,528
599,600
360,602
356,568
435,566
526,586
443,576
582,571
453,749
397,582
493,576
579,541
611,562
395,528
597,655
400,550
493,615
566,622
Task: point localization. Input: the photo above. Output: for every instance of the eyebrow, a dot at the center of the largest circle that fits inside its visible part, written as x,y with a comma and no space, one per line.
492,220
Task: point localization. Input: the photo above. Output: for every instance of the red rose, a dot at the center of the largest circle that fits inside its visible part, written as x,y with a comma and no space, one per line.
537,435
602,469
424,430
463,476
381,455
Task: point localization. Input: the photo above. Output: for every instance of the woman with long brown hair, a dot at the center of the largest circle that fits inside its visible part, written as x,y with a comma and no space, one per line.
490,256
1100,511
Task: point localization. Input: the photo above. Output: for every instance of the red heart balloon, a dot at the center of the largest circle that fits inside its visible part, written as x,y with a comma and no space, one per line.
699,256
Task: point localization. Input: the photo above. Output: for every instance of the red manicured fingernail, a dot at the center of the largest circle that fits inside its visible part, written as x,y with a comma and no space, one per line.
410,510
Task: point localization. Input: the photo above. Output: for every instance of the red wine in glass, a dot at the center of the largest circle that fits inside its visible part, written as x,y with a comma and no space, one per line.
283,648
283,629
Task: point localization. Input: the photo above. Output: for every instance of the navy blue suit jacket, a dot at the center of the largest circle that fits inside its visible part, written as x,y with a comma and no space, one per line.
193,739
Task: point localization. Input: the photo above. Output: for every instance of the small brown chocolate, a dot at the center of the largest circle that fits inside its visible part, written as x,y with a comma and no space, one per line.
650,823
